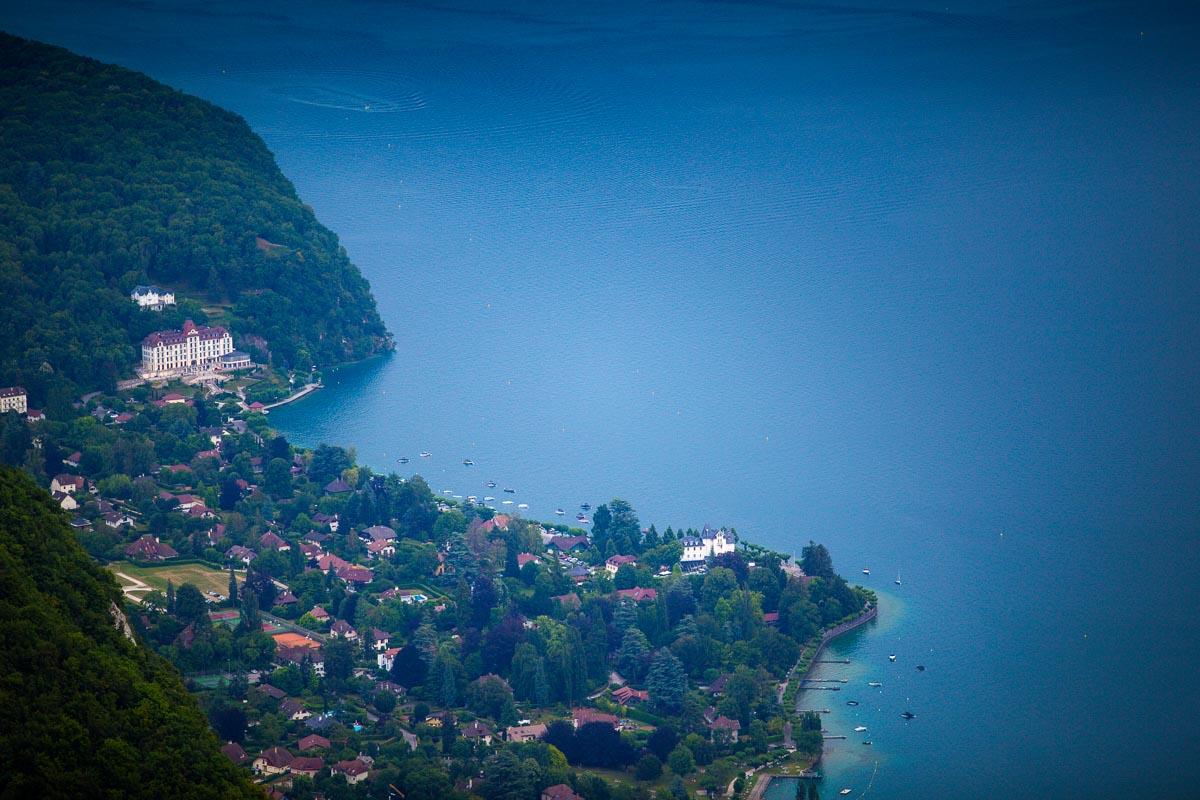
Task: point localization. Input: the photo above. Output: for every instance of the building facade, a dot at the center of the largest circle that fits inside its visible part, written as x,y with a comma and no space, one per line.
710,543
193,349
13,398
152,297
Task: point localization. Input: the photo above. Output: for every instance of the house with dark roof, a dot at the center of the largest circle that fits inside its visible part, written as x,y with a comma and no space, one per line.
354,770
234,752
338,486
313,742
343,630
476,731
378,533
149,548
273,541
294,710
273,761
242,554
566,544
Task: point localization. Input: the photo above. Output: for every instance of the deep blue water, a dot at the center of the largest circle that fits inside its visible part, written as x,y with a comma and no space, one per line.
918,281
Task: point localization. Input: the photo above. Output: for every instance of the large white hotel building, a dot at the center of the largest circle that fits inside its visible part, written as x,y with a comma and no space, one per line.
193,349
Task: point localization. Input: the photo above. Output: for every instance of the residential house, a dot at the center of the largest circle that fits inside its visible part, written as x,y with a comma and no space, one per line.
387,658
625,696
586,716
273,761
354,771
525,733
525,558
73,460
559,791
724,730
308,766
379,640
381,549
118,520
614,563
234,752
477,731
343,630
149,548
66,483
378,533
65,501
313,742
638,594
272,691
273,541
326,520
294,710
242,554
567,544
338,486
355,575
331,562
319,614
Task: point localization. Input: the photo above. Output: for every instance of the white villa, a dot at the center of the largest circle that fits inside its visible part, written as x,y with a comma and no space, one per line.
13,398
710,543
152,297
168,354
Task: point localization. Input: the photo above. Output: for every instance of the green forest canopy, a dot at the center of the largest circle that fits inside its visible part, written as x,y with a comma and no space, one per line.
86,712
109,179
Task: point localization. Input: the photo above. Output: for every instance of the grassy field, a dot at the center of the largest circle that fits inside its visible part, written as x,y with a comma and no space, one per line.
206,579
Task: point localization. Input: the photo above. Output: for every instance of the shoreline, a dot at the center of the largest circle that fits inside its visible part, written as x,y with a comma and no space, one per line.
308,389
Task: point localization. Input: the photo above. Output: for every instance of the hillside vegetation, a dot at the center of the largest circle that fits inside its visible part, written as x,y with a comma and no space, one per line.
86,712
109,179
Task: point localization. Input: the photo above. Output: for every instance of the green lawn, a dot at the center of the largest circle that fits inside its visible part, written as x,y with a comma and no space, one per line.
204,578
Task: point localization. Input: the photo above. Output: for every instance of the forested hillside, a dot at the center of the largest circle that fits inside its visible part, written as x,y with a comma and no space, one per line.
109,179
85,712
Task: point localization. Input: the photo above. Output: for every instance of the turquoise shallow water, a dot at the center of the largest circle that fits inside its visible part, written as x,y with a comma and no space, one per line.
916,281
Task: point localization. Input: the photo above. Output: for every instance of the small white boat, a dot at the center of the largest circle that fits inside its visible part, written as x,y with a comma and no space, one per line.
583,520
447,492
898,579
472,498
507,502
892,657
488,499
560,512
845,791
876,684
425,454
468,462
866,571
860,728
522,505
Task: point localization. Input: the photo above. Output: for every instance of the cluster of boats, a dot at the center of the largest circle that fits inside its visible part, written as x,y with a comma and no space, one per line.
580,517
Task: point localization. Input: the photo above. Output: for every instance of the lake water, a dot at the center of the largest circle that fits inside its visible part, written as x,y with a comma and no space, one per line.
917,281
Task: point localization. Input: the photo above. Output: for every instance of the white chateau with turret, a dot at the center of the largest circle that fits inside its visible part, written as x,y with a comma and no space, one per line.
152,297
710,543
194,349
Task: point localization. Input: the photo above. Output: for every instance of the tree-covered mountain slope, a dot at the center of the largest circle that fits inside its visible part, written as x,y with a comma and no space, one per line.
85,712
109,179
